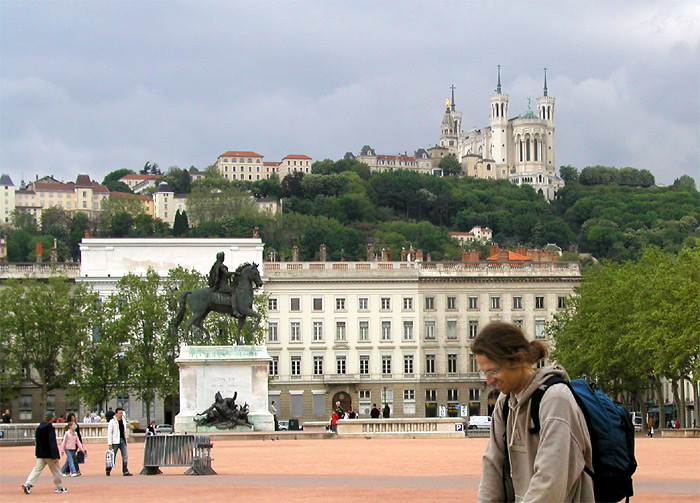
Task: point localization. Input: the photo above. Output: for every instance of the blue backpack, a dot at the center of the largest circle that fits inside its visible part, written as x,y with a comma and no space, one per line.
611,432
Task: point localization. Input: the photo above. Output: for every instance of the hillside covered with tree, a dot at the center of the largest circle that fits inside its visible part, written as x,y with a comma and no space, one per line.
608,212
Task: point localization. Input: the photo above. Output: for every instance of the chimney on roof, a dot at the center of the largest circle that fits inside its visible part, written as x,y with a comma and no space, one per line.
494,250
295,254
39,251
322,253
521,251
419,255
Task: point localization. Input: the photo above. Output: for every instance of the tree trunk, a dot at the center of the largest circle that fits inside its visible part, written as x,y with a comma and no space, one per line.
676,399
659,391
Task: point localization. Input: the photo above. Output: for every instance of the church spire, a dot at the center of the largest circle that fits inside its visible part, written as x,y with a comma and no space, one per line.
453,96
545,81
498,88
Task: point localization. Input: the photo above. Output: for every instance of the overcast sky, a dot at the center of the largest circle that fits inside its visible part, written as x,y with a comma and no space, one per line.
95,86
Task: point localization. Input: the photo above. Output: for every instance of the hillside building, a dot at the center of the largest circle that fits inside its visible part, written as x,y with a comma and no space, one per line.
519,149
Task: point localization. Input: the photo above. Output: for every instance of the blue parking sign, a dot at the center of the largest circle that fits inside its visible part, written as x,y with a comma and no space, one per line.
459,427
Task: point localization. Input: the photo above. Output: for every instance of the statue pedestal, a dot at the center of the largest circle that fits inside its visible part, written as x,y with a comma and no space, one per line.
204,370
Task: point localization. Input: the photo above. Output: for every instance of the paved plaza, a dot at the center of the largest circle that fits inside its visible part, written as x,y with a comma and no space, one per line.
330,471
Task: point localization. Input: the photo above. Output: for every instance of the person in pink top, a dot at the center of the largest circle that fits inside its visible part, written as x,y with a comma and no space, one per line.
70,445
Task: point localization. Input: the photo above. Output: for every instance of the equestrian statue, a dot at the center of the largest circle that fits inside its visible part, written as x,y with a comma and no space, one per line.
228,293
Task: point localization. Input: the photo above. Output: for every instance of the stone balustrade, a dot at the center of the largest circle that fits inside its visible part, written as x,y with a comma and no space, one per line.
39,270
420,269
419,427
23,433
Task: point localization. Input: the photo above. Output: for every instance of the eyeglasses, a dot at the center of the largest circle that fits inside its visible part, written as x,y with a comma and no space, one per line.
490,373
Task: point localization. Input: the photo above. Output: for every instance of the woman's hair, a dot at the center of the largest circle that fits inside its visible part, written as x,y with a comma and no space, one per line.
506,344
71,417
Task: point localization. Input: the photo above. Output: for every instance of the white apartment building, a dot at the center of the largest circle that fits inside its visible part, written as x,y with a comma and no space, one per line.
138,183
396,332
7,198
294,163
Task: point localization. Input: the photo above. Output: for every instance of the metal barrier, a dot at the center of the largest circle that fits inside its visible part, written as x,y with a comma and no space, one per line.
178,450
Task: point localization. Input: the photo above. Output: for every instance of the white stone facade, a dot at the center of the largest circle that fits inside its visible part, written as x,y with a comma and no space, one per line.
396,332
520,149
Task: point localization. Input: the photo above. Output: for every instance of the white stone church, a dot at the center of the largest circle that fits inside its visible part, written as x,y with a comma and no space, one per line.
519,149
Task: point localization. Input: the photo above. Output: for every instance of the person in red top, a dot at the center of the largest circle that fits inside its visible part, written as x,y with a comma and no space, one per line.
334,422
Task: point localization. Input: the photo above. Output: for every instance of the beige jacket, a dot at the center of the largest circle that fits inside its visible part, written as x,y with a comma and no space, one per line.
545,467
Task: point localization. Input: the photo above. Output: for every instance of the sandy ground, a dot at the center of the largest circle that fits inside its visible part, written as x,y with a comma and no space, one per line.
330,471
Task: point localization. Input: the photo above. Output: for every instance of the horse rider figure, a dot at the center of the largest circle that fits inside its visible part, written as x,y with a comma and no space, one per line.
219,281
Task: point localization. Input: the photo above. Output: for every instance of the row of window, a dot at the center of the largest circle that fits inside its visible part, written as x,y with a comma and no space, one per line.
451,304
363,330
296,406
341,367
242,159
250,169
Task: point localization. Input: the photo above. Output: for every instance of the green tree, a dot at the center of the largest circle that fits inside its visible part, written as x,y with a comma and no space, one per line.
181,224
205,204
685,180
45,328
24,222
631,324
103,371
137,316
450,166
114,176
179,180
569,174
116,186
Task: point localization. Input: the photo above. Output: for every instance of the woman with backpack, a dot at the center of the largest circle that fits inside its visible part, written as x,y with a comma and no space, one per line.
547,465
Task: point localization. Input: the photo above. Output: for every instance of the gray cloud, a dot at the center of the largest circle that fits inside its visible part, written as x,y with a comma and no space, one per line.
98,86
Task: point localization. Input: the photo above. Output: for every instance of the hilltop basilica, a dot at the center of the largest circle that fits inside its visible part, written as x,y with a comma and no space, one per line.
520,149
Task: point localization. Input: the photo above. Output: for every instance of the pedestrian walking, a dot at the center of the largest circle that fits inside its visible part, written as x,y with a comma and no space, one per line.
70,446
116,439
47,454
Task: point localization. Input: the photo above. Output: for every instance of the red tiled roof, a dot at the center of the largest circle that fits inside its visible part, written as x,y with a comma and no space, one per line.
265,163
240,153
512,257
52,186
297,156
403,158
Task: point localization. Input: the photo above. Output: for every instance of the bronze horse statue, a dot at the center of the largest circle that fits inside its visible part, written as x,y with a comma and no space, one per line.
202,301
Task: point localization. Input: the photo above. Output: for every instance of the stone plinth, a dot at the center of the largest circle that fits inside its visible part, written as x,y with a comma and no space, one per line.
204,370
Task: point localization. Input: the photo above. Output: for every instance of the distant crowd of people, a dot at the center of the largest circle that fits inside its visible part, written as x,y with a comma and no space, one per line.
339,413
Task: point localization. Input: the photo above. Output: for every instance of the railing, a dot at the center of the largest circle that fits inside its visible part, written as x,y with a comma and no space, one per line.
39,270
24,432
429,268
442,427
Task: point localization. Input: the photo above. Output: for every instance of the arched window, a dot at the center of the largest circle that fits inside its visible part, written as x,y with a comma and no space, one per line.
535,145
527,148
503,109
520,142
